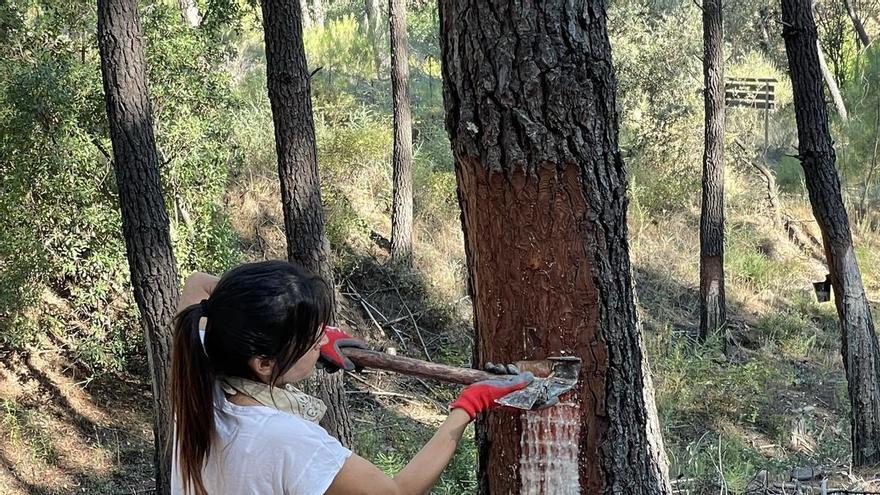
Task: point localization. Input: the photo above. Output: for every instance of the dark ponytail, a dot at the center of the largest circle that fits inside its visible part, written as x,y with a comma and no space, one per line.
192,392
271,309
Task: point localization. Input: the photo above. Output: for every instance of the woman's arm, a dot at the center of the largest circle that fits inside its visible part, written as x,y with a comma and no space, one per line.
359,477
197,286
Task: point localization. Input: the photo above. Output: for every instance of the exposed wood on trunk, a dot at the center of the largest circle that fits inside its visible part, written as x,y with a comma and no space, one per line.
713,308
144,218
530,104
859,347
402,203
857,24
289,93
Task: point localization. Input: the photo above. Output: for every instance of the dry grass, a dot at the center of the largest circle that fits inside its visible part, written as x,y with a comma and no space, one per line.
60,435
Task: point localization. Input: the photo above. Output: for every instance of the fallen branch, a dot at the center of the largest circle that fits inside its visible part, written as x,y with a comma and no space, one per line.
416,325
796,233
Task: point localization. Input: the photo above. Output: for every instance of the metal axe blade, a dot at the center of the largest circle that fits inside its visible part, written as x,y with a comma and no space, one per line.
545,391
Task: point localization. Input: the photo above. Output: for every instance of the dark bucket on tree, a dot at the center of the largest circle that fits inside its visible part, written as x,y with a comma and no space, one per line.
823,290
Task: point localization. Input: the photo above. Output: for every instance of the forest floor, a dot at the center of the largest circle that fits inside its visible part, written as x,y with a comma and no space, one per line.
733,422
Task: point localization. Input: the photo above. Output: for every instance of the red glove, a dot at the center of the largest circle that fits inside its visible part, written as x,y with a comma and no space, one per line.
481,396
331,358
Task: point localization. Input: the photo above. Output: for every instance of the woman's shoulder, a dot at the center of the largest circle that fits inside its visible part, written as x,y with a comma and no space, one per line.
284,427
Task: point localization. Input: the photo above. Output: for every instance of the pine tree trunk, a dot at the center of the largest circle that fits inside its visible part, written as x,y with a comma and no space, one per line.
318,8
857,24
289,93
861,357
306,18
402,203
713,312
144,218
374,32
531,113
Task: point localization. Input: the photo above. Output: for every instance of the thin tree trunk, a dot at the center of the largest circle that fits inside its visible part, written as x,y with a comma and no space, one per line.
289,93
713,311
833,89
306,18
764,20
374,32
531,114
857,24
318,8
190,12
861,356
402,203
144,218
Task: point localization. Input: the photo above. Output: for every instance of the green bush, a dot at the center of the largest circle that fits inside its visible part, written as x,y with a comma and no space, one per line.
790,176
344,53
61,248
746,261
661,104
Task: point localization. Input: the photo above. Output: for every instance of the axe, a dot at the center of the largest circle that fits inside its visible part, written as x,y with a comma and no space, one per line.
553,376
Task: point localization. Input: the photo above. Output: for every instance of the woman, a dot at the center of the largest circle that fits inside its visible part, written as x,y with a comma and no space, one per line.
240,425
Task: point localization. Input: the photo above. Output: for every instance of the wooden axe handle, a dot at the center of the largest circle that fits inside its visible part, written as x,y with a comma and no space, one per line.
415,367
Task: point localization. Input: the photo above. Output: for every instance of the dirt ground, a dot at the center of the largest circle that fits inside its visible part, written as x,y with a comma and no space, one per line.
60,434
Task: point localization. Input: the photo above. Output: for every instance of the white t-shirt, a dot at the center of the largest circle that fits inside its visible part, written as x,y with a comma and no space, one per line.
262,451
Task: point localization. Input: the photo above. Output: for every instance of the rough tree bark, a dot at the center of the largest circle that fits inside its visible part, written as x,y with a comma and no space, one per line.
144,218
402,203
289,94
713,309
857,24
861,357
529,93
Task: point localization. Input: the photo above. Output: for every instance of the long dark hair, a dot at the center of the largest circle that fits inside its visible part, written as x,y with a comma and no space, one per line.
271,309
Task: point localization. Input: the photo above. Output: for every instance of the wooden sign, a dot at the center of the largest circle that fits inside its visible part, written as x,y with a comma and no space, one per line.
750,93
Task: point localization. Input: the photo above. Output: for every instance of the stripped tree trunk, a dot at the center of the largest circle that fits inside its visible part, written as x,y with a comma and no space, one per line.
713,310
144,218
857,24
530,104
861,357
402,204
289,93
